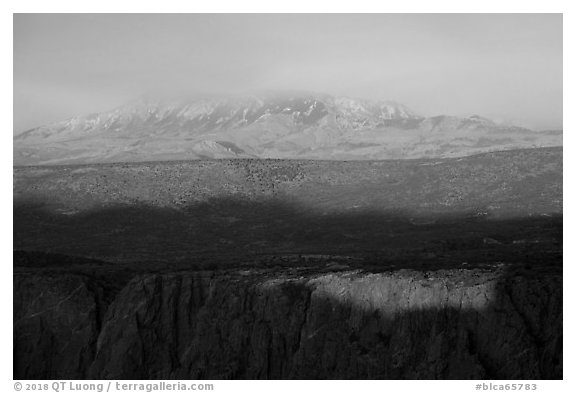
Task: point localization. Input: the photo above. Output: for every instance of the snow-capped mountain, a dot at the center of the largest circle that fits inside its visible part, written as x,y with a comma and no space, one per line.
268,125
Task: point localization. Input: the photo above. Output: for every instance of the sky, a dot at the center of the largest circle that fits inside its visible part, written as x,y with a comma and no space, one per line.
507,67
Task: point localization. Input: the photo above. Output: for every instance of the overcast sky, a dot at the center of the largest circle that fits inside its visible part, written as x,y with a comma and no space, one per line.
507,67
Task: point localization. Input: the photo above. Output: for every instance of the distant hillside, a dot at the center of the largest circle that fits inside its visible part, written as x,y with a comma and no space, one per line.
279,125
171,210
496,182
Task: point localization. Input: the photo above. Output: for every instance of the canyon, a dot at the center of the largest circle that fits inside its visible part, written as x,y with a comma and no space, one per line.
284,269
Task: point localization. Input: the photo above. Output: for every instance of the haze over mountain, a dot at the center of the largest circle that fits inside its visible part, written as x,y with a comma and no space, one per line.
267,125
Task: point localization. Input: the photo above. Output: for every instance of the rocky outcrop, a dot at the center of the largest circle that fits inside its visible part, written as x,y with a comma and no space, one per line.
262,324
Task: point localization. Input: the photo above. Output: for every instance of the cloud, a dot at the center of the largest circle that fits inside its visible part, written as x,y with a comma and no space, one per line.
504,65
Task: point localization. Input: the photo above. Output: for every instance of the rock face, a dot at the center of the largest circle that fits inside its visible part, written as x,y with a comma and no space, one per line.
280,125
56,324
262,324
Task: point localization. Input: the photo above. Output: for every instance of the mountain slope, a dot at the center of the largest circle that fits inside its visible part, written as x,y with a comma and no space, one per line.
287,125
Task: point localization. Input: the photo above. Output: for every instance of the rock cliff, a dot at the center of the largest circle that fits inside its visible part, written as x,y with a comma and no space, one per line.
295,323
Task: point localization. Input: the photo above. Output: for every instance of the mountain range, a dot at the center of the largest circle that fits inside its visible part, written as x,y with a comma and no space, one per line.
267,125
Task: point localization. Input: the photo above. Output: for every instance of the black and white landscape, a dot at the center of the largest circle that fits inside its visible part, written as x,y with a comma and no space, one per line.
286,234
268,125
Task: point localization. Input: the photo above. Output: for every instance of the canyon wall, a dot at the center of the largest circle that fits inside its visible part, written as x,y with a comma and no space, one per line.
298,323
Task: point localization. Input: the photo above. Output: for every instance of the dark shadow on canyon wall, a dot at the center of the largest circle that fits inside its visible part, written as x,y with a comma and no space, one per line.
266,323
243,289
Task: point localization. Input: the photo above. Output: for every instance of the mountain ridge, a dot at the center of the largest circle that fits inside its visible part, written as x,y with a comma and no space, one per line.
267,125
